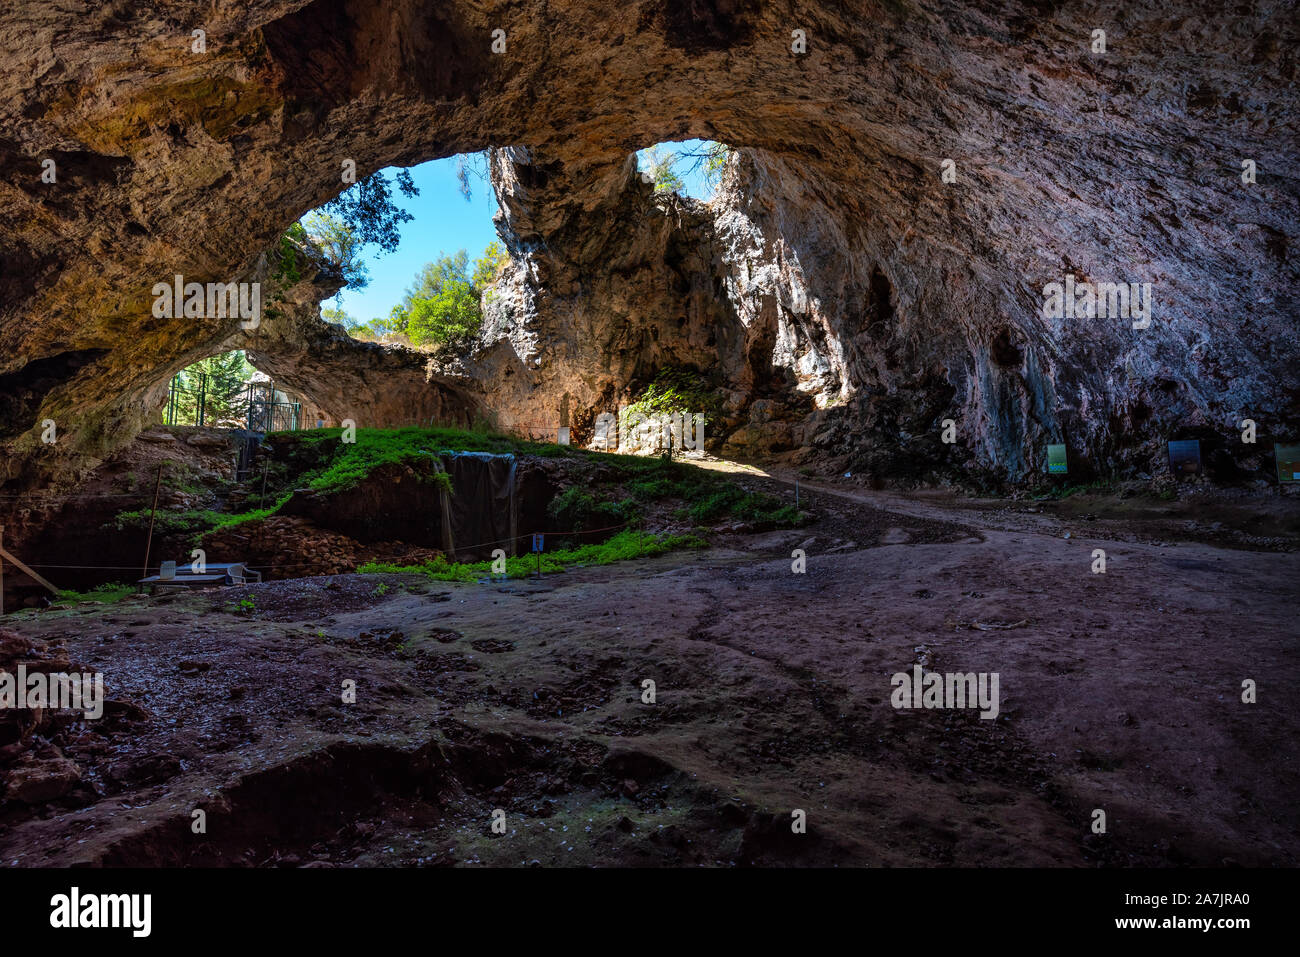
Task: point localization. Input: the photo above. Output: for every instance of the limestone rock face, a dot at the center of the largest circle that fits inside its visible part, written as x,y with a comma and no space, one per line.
368,383
847,298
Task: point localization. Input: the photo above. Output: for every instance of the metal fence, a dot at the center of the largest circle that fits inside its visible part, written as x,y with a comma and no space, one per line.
188,405
265,414
258,406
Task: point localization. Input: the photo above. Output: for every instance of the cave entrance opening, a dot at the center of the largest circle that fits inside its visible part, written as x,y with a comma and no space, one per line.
414,270
689,168
226,391
409,255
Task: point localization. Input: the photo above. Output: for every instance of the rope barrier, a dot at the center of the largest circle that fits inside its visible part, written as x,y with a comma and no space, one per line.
499,541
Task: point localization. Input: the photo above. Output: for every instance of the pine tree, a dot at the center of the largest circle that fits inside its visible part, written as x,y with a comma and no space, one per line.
222,391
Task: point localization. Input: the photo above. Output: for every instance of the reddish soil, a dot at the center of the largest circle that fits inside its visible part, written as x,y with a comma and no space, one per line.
69,536
1119,691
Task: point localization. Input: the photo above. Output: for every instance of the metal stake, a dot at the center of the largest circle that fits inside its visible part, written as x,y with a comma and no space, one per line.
152,511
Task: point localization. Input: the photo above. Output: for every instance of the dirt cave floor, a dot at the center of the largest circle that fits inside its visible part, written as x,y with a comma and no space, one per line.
1119,691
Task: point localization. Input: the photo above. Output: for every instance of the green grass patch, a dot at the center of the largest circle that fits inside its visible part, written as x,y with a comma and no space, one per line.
334,465
318,459
707,497
103,594
192,524
626,545
734,502
578,509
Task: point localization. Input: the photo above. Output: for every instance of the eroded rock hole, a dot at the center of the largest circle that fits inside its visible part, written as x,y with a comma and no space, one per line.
1005,352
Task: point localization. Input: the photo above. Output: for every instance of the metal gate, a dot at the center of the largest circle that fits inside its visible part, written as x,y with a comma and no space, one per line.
258,409
265,414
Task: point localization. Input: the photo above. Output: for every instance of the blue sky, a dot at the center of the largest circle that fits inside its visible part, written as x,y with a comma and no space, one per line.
445,222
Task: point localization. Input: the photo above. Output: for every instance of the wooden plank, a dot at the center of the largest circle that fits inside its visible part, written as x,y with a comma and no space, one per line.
182,580
23,568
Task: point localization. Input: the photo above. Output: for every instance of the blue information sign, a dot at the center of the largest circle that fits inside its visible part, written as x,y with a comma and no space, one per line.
1185,457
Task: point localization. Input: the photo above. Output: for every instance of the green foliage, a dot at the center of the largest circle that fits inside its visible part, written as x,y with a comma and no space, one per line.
443,481
578,509
488,265
344,465
716,157
341,228
676,389
658,162
443,306
394,324
289,270
372,449
707,497
434,275
318,460
368,212
103,594
341,317
341,245
625,545
191,524
668,164
166,522
746,506
221,380
450,319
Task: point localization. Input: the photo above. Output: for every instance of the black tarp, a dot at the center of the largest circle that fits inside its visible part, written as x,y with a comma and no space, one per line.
482,513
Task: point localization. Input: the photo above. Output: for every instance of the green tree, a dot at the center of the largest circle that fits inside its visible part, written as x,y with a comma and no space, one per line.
341,246
443,306
658,164
340,316
219,381
397,319
430,279
450,318
488,265
368,210
380,328
715,159
342,227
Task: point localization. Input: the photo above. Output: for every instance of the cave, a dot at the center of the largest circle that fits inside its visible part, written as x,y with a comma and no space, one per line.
988,324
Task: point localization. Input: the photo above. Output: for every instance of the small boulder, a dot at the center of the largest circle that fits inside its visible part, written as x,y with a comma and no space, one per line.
35,781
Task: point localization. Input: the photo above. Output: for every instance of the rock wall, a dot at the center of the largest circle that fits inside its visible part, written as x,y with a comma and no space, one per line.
849,297
855,344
